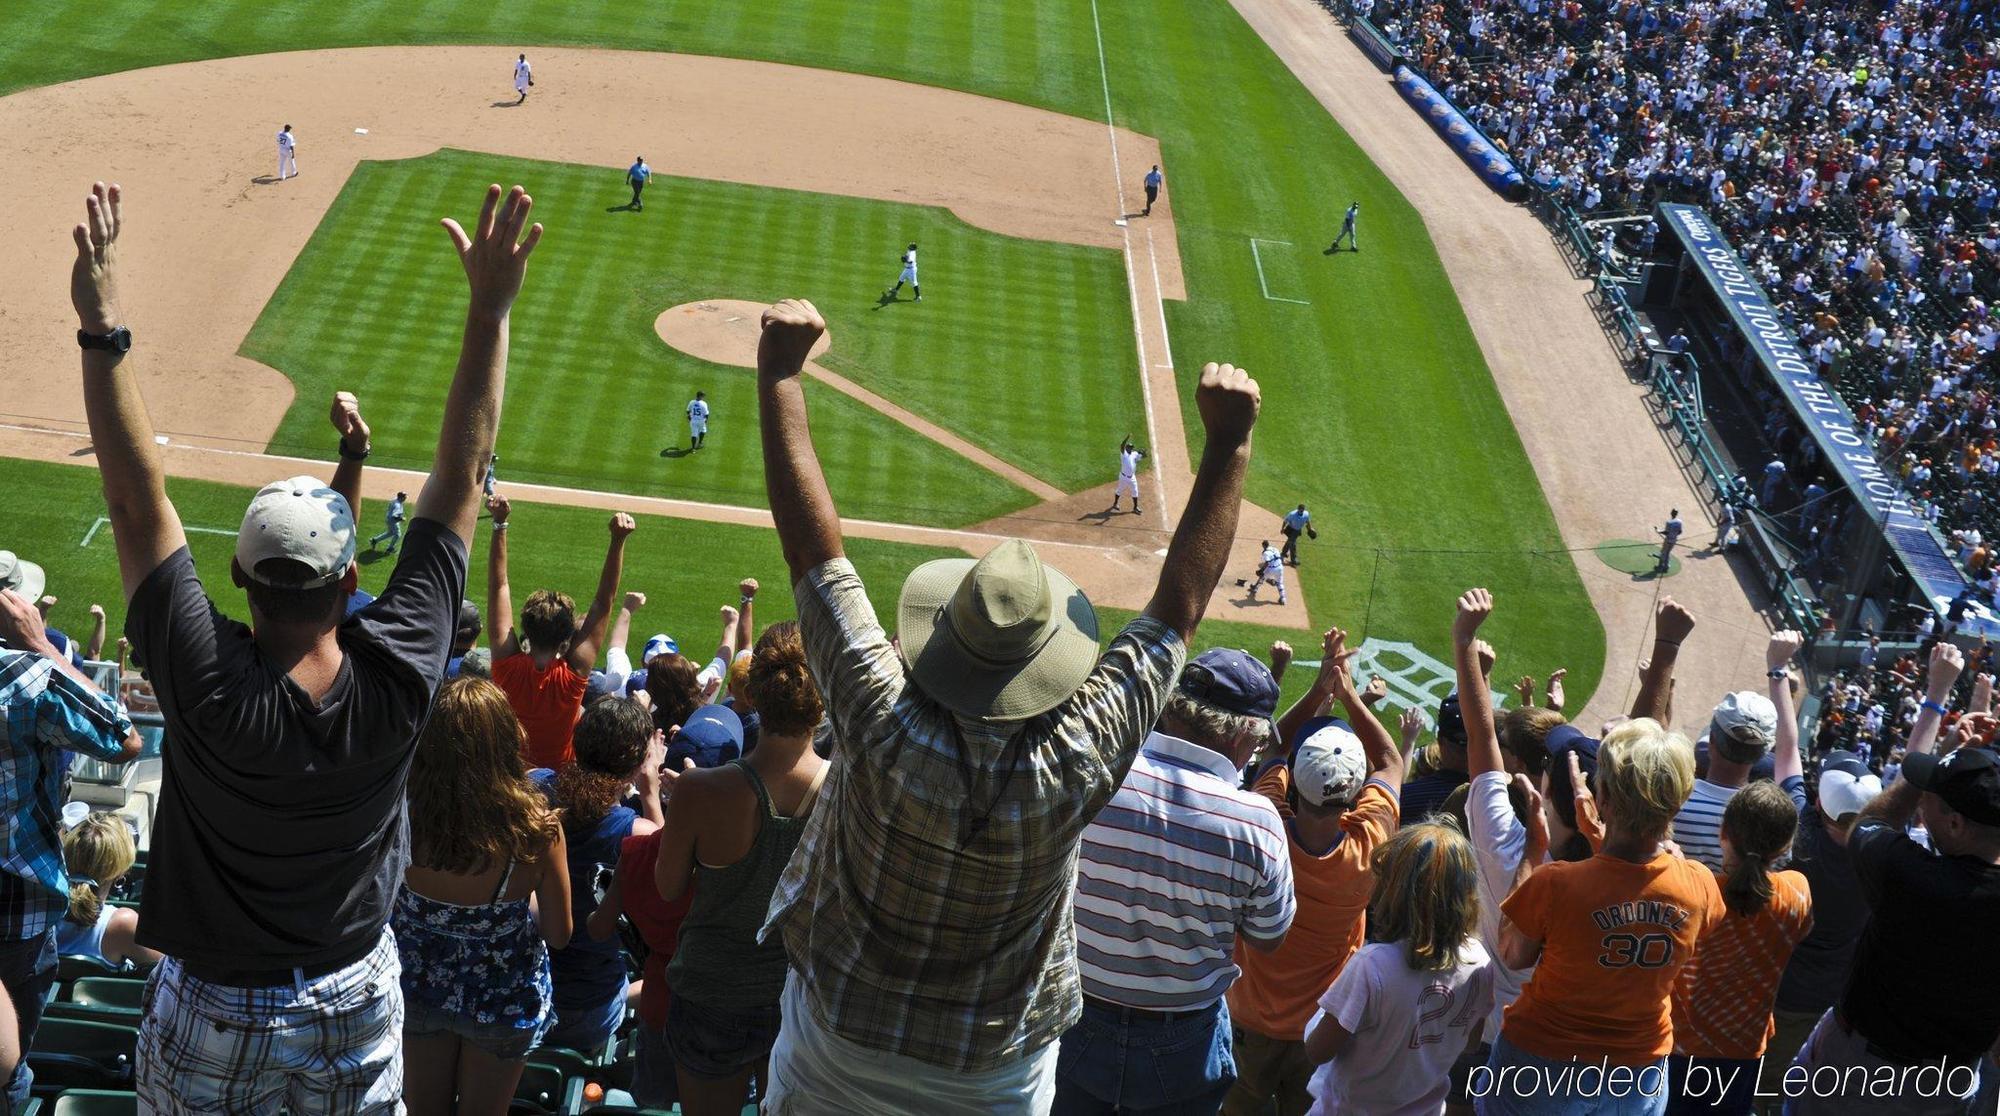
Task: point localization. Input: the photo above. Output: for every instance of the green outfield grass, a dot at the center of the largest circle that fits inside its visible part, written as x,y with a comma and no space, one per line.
594,396
687,568
1380,411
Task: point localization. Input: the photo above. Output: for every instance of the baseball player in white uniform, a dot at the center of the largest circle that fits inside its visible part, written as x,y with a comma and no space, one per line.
909,275
698,419
1270,571
524,76
1129,457
288,163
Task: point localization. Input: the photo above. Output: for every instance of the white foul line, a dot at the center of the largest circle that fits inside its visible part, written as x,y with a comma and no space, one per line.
100,522
1131,277
1260,274
1159,299
1104,77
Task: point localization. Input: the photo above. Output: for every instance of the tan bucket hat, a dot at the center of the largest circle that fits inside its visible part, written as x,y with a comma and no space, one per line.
1001,639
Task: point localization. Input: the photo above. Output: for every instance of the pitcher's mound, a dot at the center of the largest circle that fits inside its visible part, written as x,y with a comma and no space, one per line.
722,330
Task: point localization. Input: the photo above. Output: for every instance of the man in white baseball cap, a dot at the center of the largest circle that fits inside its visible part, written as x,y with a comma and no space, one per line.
298,534
1741,731
279,841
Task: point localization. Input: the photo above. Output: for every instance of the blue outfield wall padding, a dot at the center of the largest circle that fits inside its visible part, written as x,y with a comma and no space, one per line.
1374,43
1471,144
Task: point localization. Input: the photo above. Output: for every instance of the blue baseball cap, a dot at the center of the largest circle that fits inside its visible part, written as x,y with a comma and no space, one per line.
1232,681
711,738
1451,722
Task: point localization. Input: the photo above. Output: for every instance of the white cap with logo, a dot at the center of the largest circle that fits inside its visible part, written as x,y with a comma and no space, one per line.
301,519
1330,766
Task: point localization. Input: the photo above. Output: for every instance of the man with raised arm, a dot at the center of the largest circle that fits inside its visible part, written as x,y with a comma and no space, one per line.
927,912
1919,996
280,840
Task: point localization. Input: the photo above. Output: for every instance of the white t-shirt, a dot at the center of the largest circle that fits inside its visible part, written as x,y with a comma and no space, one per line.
1698,827
1498,842
1408,1027
285,141
698,411
1128,463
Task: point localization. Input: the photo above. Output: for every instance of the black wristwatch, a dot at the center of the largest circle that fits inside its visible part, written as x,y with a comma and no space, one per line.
117,341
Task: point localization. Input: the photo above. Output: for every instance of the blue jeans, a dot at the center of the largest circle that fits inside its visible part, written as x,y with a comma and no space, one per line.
28,970
1516,1083
1109,1064
587,1029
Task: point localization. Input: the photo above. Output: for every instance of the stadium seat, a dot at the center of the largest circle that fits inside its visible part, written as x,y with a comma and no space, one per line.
74,967
540,1091
109,992
82,1054
93,1102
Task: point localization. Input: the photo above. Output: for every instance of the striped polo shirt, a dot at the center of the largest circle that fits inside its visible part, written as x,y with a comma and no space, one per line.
1176,864
1698,827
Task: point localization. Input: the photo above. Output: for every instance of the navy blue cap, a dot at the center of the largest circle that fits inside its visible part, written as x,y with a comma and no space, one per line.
711,738
1451,723
1563,739
1232,681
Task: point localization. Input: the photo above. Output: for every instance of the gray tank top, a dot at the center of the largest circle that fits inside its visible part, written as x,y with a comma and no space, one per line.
718,961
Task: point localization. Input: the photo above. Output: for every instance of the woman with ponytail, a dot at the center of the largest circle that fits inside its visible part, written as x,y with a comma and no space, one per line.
729,832
1722,1002
98,851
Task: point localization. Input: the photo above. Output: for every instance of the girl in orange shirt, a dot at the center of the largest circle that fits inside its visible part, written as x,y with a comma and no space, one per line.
1722,1003
1607,937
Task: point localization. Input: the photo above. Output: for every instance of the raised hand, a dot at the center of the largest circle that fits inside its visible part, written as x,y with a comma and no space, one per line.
1534,819
1228,400
1673,622
634,601
1486,657
1588,821
729,616
1525,690
1281,656
1783,646
1378,688
500,506
347,421
622,525
748,587
93,280
495,255
1555,688
1474,606
47,605
1947,662
1409,727
21,623
791,328
1334,676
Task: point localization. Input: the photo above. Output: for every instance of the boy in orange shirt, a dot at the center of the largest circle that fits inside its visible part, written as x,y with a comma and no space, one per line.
1338,794
1608,936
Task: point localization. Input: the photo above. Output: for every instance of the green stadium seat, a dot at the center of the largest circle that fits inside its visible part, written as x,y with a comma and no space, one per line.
540,1091
82,1054
93,1102
109,992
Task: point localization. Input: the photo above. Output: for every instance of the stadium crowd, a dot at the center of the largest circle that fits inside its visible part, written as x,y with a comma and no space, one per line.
991,864
1847,148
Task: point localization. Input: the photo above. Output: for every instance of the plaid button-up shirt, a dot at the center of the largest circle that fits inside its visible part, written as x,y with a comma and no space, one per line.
43,712
962,957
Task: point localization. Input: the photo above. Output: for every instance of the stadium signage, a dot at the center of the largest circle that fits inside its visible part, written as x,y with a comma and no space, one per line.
1817,406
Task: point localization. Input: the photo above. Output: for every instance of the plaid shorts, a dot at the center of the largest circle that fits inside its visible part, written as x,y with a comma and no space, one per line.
332,1044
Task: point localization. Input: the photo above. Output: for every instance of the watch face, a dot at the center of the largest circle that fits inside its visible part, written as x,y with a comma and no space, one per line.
121,340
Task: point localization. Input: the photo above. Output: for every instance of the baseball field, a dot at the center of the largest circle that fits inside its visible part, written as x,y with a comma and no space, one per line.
798,148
